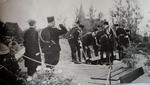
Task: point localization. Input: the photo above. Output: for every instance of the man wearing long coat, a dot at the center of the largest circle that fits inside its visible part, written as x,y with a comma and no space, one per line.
75,46
49,39
31,48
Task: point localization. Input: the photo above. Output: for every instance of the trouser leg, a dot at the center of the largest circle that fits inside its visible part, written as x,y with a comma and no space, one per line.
84,53
88,52
107,56
73,51
32,68
102,56
95,50
73,55
52,58
79,54
112,57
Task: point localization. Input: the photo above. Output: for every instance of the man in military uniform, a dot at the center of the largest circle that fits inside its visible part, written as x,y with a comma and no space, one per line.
123,39
75,43
107,43
49,40
31,48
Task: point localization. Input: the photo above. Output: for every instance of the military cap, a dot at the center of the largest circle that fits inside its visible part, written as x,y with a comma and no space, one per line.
77,22
82,26
31,22
106,23
116,24
50,19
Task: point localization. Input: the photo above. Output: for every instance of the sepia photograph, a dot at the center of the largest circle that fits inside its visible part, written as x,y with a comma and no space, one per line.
74,42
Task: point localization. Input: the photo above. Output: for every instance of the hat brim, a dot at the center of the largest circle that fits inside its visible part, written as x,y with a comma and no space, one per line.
4,49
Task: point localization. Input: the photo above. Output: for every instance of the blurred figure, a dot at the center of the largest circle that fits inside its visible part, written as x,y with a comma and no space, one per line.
7,58
31,47
9,67
107,43
123,38
75,42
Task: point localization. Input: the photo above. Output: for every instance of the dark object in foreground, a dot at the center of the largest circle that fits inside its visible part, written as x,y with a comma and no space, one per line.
8,78
128,78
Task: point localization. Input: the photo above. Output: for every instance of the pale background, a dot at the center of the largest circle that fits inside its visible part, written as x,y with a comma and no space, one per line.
21,11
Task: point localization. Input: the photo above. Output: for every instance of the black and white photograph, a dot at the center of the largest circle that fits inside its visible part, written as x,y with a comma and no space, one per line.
74,42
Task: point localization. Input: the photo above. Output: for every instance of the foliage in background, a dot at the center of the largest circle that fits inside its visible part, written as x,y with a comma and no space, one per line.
130,57
89,20
127,12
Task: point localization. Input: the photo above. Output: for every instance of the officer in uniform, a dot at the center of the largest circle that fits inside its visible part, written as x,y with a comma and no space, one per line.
31,48
49,40
120,30
107,43
75,42
123,40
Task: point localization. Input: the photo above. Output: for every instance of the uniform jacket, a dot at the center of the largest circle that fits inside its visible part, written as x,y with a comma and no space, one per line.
50,34
31,43
120,31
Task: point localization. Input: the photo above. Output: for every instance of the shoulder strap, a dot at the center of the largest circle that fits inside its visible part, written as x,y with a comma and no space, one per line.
51,42
40,49
41,38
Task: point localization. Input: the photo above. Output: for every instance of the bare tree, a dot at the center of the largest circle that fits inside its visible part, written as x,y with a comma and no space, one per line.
91,15
100,15
76,14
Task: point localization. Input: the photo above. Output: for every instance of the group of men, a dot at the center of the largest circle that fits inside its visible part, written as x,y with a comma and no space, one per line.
104,40
45,41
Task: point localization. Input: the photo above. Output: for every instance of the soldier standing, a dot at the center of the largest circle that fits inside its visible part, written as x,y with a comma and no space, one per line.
108,43
49,40
75,42
31,48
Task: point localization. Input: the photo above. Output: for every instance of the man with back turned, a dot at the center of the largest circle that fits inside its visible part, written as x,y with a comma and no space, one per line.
49,39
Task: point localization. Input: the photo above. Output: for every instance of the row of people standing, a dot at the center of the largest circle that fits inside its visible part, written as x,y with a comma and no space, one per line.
104,39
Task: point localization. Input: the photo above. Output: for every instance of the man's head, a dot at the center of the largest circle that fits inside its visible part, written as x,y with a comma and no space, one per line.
121,26
81,26
116,26
32,23
77,22
106,25
51,21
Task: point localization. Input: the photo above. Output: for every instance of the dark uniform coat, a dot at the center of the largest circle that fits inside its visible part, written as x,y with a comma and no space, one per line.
50,43
123,37
31,48
74,44
120,31
107,42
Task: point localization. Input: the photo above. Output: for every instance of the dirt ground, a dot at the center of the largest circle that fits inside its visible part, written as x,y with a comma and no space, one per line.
82,73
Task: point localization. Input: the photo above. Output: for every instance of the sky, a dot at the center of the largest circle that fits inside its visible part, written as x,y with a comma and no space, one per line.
21,11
